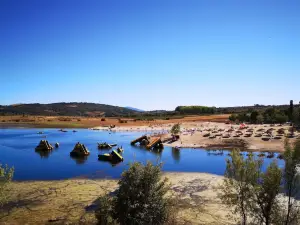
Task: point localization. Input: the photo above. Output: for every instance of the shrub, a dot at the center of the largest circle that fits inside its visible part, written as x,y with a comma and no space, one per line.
140,199
122,121
6,175
175,129
233,117
103,213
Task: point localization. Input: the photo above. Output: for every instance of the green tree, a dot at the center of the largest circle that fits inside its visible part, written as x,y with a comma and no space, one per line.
250,192
6,175
296,117
280,118
140,199
291,179
243,117
253,116
195,109
104,211
237,188
269,115
291,110
233,117
175,129
260,119
265,191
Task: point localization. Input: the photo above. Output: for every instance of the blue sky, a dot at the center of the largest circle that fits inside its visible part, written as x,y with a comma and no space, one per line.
154,54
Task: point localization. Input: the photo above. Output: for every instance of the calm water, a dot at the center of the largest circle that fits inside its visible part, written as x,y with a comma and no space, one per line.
17,149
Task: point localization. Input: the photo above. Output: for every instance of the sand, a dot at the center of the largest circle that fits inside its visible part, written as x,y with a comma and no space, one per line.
192,135
70,201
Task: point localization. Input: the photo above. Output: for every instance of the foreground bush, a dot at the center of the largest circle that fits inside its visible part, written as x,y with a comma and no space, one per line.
140,200
6,175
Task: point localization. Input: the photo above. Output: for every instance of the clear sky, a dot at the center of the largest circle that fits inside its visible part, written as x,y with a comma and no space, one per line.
150,54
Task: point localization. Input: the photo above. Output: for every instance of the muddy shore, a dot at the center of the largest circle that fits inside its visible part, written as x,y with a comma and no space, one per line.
74,200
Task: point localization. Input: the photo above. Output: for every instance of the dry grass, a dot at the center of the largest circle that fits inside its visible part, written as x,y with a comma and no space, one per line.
64,201
74,201
89,122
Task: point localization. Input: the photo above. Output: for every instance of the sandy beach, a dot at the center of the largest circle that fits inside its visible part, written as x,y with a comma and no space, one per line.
73,200
217,135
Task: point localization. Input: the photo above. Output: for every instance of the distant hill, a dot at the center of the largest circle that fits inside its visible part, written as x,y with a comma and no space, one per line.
99,110
134,109
66,109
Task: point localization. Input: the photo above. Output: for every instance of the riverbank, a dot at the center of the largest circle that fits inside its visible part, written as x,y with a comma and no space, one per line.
74,200
216,135
209,132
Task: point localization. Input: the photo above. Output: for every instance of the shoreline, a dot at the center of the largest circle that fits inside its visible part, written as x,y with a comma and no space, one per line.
50,200
203,135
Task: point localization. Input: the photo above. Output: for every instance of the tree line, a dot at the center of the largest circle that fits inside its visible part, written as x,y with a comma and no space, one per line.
195,109
269,116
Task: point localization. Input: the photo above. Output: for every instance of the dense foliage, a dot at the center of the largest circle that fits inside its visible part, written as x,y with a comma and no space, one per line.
195,109
140,199
256,107
296,117
269,115
157,115
274,114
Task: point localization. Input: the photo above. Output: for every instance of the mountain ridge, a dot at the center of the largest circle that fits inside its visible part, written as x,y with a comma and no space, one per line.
66,109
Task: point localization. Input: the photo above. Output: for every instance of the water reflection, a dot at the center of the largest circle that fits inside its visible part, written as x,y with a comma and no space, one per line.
215,152
176,154
156,152
79,159
43,154
112,163
17,149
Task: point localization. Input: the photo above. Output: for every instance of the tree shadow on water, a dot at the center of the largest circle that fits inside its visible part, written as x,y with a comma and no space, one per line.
79,159
43,154
176,154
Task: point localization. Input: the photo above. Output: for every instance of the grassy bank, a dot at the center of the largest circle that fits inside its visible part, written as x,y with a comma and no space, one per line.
74,201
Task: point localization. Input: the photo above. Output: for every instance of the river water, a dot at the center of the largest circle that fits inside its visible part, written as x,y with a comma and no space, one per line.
17,148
